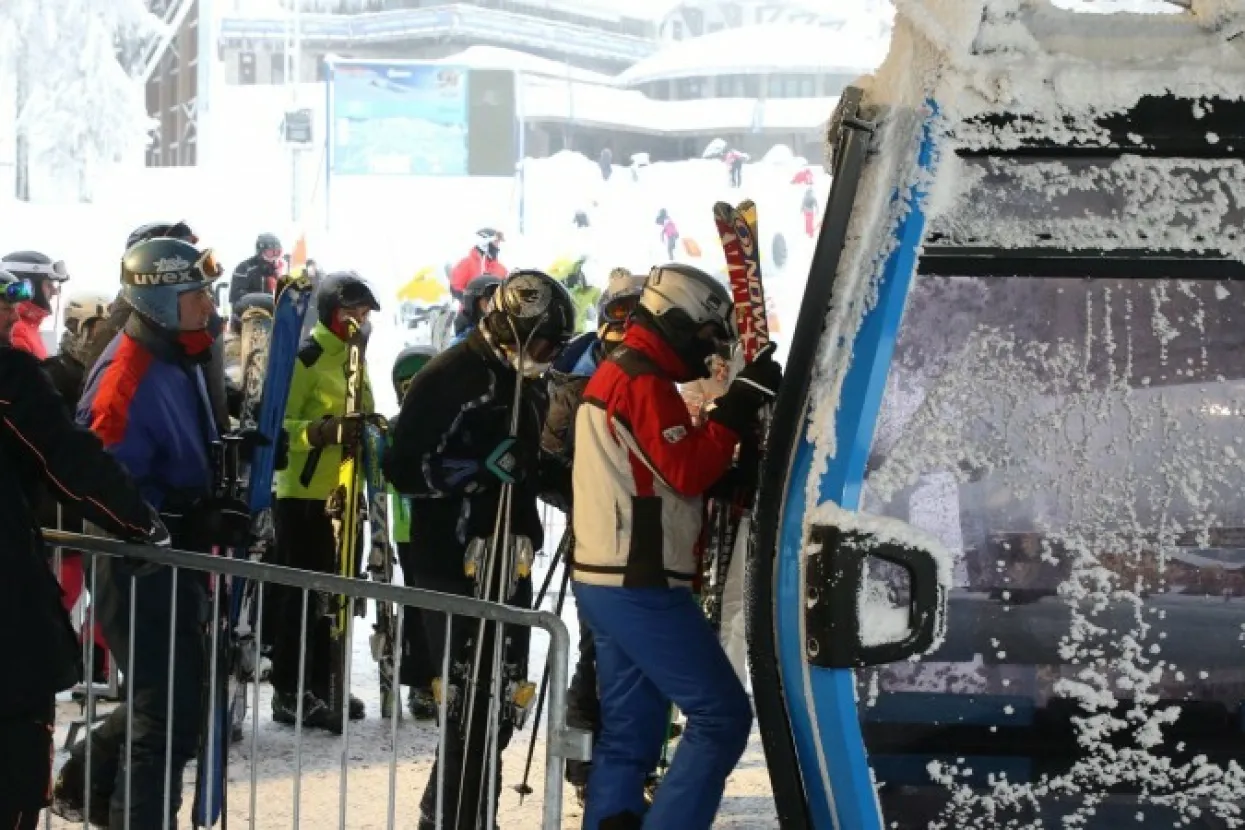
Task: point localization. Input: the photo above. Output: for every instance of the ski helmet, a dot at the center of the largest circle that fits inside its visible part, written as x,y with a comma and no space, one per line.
616,305
691,311
530,321
480,288
156,272
39,269
268,246
408,364
488,241
152,230
343,289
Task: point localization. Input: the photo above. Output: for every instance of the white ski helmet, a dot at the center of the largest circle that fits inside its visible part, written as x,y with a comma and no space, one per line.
82,313
679,302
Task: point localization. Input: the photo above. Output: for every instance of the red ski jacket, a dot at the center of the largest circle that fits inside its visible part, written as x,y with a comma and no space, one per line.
471,266
641,469
25,334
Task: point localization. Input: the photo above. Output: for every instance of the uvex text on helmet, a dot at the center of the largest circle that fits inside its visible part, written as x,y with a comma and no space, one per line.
154,273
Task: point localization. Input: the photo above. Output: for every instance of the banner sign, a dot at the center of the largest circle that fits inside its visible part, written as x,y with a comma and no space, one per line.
398,118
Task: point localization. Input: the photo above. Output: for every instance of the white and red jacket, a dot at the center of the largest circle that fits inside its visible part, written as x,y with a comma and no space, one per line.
641,470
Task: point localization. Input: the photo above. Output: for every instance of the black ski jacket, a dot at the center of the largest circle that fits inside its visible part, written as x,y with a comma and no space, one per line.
455,414
38,443
250,276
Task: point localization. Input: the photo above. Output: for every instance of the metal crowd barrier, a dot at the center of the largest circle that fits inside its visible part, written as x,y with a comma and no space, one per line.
562,742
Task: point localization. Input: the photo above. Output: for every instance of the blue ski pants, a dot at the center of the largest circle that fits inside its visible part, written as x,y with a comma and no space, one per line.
655,646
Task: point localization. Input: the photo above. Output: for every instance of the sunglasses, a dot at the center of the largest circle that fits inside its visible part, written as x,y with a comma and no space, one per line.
57,271
18,292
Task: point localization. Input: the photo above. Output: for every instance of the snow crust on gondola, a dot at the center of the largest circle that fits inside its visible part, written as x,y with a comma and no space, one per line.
1063,408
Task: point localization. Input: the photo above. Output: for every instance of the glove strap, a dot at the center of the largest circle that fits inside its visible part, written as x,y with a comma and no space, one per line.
501,462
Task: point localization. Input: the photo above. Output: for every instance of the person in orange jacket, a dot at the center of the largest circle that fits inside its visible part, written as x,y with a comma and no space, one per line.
45,276
480,261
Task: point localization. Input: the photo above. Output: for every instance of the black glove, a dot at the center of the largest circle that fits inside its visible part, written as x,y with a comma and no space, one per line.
345,430
221,521
755,386
156,534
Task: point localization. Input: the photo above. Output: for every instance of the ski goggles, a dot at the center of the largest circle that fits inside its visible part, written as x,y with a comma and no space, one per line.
209,265
57,271
616,312
17,292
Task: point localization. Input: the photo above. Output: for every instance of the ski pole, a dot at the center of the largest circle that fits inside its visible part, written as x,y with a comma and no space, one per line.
522,788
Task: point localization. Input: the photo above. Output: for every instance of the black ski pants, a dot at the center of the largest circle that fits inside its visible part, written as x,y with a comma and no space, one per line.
154,654
418,668
466,758
583,704
304,540
25,765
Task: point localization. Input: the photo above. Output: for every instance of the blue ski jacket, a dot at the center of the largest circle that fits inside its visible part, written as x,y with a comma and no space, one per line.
148,403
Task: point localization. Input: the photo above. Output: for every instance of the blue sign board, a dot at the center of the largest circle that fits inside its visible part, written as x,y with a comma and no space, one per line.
395,118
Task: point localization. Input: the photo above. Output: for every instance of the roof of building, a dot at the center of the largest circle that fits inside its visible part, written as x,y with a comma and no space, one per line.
544,99
773,47
495,57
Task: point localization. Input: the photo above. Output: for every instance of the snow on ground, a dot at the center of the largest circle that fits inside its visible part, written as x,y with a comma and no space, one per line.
747,804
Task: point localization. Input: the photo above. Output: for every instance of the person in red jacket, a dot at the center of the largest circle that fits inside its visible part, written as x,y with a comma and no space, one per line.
640,472
45,277
481,260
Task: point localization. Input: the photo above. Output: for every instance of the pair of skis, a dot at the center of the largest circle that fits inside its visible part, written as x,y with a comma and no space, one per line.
360,496
737,230
269,348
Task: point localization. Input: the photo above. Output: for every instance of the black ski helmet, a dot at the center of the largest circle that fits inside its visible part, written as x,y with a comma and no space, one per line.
38,268
481,288
532,315
152,230
679,302
267,242
408,364
156,272
343,289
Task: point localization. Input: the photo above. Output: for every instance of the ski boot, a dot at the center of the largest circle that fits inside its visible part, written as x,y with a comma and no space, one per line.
285,709
69,798
421,704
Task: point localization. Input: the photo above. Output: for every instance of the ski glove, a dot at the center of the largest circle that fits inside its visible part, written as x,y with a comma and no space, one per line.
157,534
344,430
506,464
221,521
755,386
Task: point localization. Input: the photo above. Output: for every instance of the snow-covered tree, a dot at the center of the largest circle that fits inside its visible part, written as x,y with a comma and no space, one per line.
78,107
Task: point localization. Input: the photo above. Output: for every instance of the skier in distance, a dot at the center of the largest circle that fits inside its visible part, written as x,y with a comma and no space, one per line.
640,473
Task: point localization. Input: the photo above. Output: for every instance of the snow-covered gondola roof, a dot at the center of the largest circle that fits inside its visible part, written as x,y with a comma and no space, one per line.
774,47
